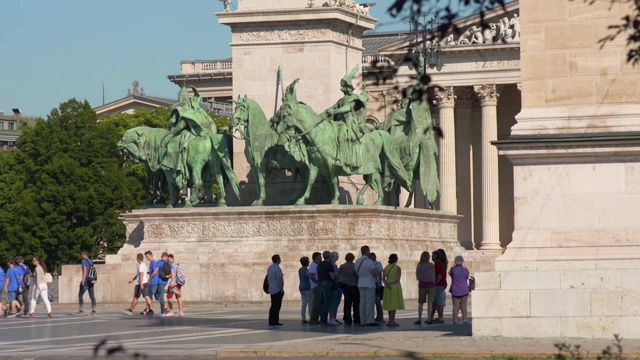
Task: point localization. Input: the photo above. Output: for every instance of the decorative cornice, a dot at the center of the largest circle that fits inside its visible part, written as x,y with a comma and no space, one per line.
488,94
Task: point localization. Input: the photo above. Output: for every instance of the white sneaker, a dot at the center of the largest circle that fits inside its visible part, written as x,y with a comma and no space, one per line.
332,322
181,313
170,313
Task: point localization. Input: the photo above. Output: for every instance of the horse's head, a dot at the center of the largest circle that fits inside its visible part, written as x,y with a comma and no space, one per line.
241,114
133,144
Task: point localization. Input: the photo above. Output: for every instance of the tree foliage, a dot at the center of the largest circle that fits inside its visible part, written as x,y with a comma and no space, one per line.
63,187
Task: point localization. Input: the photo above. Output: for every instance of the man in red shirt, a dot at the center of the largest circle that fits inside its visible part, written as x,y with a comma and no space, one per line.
441,285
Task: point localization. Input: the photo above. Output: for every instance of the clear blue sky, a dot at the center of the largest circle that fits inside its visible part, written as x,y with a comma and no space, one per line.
54,50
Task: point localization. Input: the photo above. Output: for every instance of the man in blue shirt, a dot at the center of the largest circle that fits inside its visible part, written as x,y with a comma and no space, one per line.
326,278
26,272
2,293
162,283
11,284
153,282
85,284
157,285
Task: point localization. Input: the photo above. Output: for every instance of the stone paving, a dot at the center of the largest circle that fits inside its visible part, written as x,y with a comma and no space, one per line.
240,331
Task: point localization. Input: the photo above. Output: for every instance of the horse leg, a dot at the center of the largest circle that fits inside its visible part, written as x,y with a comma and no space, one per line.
171,185
261,170
220,180
367,179
376,184
313,173
334,188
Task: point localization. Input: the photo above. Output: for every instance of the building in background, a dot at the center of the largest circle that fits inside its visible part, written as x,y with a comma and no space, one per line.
10,126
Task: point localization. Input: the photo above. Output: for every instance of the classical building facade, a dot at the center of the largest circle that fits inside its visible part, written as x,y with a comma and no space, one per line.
480,97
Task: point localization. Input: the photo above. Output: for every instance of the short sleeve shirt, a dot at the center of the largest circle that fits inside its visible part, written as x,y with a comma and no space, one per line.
305,282
19,272
159,264
13,276
313,269
86,264
142,268
152,266
273,274
325,268
364,265
1,277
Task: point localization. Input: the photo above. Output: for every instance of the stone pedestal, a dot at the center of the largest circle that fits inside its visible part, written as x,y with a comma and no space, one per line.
225,251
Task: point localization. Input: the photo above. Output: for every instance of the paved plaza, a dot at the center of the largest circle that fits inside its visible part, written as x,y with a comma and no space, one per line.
208,331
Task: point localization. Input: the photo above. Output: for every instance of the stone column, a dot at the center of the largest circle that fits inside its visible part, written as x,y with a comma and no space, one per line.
448,199
464,169
488,95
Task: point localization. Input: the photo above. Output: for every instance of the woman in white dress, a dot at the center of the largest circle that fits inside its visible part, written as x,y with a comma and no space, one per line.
40,288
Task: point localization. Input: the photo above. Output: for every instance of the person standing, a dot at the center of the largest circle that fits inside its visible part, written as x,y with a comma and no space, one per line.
11,286
459,288
142,285
153,283
39,288
276,290
441,285
336,292
26,281
86,284
393,299
306,294
349,279
316,258
164,282
365,268
326,277
2,295
176,287
426,276
379,288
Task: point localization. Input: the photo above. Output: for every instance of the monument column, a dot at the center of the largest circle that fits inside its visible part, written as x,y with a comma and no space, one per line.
464,165
449,199
488,95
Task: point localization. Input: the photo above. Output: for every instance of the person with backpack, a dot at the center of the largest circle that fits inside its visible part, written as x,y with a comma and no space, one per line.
176,287
86,283
162,273
27,280
275,281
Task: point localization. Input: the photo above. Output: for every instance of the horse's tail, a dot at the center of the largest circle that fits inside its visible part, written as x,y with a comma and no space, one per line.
393,162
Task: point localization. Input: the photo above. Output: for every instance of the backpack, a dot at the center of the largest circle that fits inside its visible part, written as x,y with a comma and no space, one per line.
92,276
472,283
165,271
180,279
27,276
265,284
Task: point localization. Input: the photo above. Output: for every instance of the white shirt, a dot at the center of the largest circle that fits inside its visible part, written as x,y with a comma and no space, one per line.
364,265
142,268
313,269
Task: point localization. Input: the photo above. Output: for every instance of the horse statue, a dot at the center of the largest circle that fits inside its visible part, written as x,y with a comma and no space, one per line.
267,150
376,155
411,127
204,162
137,144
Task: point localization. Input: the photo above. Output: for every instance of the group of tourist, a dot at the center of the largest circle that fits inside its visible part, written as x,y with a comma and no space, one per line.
368,288
22,287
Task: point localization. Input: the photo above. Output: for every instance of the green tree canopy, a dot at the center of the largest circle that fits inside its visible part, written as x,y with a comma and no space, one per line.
65,185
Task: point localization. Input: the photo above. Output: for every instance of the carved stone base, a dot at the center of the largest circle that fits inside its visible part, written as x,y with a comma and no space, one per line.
226,251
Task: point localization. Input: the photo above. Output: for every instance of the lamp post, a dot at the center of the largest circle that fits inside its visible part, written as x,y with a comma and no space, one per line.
421,27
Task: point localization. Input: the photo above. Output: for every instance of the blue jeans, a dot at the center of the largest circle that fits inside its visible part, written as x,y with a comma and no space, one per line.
92,295
325,299
157,292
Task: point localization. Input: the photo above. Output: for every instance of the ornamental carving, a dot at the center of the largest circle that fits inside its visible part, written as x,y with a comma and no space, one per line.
506,30
392,95
290,33
488,94
446,96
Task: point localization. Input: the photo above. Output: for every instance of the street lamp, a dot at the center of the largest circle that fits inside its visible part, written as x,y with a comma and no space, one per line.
420,43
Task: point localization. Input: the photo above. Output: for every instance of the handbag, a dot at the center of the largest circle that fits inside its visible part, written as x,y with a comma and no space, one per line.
48,278
472,283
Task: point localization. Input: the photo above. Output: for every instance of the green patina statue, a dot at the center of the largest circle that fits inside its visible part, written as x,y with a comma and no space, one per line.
191,154
343,147
411,128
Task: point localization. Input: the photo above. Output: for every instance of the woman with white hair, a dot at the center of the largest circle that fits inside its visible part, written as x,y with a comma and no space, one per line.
459,288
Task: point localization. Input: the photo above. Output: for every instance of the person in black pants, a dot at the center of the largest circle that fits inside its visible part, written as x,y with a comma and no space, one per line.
276,290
